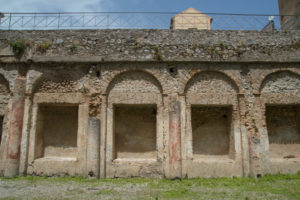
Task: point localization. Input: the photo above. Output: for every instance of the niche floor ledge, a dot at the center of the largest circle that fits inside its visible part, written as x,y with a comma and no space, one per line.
139,160
56,159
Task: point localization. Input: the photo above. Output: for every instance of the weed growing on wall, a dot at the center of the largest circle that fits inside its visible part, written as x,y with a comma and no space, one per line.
72,48
296,44
157,53
19,46
43,47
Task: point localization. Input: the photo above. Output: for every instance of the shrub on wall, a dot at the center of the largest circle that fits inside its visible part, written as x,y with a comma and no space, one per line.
18,47
43,47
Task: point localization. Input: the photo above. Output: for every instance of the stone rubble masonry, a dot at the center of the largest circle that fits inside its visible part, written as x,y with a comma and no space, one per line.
165,81
143,45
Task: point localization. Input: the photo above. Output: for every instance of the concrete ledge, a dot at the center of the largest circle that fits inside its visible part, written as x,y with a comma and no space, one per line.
55,166
135,160
97,59
149,168
104,59
284,166
56,159
214,167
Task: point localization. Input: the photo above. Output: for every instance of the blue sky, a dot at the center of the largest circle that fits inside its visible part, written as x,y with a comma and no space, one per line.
206,6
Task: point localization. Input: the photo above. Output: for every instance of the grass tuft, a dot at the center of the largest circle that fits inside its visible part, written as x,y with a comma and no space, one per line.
277,186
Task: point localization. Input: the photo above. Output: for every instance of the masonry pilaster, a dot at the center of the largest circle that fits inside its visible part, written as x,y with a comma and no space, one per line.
93,147
15,128
175,158
25,135
251,124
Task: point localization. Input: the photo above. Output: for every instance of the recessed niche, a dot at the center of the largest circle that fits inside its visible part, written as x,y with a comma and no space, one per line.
283,131
56,131
135,131
211,130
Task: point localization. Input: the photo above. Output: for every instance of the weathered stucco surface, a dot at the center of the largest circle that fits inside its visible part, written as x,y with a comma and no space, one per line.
135,132
210,129
57,131
150,103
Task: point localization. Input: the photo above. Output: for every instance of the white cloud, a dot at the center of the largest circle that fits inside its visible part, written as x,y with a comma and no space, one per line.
50,5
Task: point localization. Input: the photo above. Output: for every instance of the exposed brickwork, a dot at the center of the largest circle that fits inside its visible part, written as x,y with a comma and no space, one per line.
243,71
281,82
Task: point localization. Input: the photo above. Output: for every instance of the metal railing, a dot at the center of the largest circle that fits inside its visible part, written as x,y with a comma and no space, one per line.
145,20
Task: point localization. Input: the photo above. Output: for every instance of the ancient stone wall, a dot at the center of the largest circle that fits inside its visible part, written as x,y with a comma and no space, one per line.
150,103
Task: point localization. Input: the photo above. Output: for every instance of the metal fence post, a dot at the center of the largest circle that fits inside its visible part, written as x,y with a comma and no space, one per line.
107,22
9,21
58,21
34,16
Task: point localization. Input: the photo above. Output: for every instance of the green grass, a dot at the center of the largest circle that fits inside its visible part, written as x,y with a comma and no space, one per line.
268,187
106,192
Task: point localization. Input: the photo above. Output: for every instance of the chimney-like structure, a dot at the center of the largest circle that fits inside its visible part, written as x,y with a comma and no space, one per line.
191,19
289,7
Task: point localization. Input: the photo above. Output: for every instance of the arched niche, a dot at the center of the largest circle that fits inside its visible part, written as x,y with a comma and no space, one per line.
134,124
212,125
281,82
280,97
59,115
134,82
211,82
55,84
57,79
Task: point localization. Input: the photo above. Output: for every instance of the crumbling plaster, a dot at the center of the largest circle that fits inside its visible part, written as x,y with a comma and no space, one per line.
106,71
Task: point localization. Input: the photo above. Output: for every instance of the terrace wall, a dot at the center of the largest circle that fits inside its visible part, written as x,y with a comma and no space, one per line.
196,103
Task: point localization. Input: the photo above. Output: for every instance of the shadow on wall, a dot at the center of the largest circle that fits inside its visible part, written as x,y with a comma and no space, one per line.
57,131
135,131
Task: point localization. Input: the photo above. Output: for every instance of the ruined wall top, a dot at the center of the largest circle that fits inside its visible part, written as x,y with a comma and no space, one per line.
152,45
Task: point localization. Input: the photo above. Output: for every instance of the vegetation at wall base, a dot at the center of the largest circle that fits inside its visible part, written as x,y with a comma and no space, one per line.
268,187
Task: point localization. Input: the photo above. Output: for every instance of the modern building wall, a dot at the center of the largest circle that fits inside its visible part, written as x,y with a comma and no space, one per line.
289,7
191,19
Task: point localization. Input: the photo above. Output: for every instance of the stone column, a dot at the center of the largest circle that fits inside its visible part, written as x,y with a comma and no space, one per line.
251,113
83,115
103,136
175,139
256,141
93,147
25,136
15,128
244,136
251,124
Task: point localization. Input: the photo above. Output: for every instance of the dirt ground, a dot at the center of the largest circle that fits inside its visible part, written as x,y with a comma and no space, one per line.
268,187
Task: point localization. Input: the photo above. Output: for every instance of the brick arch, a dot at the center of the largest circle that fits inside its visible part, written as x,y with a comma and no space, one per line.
139,79
53,81
280,81
223,82
112,78
53,84
4,85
